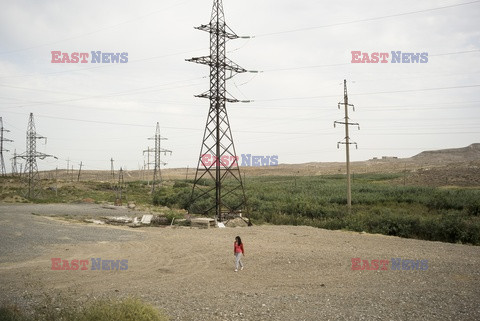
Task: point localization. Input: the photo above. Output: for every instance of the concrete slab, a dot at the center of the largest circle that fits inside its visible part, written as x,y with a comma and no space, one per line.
202,222
147,219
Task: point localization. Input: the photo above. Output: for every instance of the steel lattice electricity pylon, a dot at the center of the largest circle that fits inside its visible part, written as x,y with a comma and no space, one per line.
14,163
158,150
217,154
3,171
346,141
30,156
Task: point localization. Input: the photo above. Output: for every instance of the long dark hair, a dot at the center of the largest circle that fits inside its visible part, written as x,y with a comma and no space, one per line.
239,240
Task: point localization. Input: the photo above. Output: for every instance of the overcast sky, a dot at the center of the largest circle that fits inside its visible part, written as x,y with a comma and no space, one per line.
93,112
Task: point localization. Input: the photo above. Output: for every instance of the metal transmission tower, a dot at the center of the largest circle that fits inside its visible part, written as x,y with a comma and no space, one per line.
346,141
3,171
227,195
146,165
158,150
14,163
30,157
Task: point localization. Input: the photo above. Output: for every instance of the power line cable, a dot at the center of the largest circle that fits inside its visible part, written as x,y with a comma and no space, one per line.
348,64
372,93
102,65
121,93
364,20
97,30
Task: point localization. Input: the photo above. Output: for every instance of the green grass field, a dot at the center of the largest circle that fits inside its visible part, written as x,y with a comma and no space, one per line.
378,206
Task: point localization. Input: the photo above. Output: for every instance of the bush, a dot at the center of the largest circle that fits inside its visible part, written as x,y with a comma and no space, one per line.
126,310
130,309
473,209
180,184
11,313
178,198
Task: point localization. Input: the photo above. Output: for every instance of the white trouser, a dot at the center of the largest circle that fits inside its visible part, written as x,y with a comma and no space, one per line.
238,260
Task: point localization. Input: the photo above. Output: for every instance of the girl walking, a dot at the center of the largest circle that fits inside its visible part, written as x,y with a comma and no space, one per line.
238,251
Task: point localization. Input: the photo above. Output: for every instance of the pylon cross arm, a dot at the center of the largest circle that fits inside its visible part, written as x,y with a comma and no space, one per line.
212,28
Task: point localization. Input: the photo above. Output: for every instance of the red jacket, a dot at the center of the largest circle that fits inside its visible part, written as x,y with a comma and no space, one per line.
238,248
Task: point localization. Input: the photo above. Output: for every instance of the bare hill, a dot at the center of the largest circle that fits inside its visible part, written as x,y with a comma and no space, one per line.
460,166
464,154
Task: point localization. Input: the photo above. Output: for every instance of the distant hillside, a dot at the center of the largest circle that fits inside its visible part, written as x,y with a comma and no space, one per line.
464,154
465,162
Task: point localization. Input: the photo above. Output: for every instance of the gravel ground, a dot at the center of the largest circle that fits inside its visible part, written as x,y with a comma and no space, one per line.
24,233
291,273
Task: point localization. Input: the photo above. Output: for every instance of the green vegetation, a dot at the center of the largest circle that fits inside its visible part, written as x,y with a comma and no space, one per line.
129,309
71,192
379,204
449,215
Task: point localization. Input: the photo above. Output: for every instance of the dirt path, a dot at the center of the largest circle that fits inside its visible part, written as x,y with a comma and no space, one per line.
291,273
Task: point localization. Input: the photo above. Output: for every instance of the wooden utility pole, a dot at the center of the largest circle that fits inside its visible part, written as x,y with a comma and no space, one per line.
56,181
79,172
112,169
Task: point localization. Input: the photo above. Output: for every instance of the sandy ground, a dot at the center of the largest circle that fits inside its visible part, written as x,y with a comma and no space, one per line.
291,273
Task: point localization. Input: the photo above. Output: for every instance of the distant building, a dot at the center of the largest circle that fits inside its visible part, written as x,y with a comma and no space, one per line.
385,158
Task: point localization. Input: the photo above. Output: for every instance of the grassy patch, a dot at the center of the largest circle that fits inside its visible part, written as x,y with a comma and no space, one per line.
129,309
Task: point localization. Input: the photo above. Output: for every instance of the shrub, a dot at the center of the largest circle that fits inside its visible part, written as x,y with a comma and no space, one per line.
126,310
172,198
180,184
473,208
129,309
11,313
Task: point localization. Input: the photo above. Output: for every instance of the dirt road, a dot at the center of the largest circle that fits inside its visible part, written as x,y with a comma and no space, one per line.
291,273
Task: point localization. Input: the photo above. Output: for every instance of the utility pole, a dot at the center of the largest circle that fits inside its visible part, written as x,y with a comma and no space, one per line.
158,150
148,158
79,171
147,165
68,165
112,170
56,181
3,171
346,140
119,189
217,144
30,157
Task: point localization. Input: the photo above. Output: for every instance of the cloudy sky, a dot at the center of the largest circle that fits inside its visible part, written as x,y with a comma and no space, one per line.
93,112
